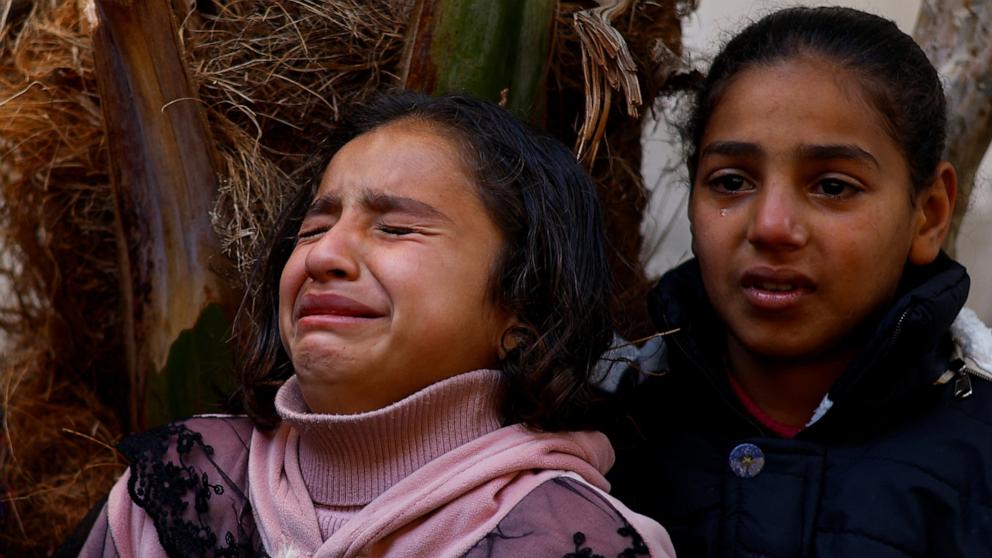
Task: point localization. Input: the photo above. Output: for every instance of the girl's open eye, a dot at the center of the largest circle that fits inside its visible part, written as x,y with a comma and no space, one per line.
729,183
834,188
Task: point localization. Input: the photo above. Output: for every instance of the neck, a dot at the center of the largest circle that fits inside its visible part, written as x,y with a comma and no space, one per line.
787,390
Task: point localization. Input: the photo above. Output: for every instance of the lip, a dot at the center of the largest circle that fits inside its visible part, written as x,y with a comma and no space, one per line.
335,308
761,286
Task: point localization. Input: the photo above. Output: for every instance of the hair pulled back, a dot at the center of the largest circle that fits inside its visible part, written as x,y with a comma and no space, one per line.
895,76
552,271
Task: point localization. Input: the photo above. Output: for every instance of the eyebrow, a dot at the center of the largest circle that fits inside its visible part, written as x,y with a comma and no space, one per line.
733,149
381,202
323,205
378,202
826,152
837,151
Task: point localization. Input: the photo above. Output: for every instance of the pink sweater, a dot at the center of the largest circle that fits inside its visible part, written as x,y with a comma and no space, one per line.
431,475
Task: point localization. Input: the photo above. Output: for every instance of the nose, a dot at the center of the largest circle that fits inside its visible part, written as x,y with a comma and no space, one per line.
777,220
335,255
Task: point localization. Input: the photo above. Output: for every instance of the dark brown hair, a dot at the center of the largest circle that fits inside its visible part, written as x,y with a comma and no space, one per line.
552,272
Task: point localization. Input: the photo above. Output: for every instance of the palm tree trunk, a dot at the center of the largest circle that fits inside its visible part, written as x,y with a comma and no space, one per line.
494,50
163,170
957,36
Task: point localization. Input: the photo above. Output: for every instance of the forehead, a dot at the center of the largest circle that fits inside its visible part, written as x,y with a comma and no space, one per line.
404,158
805,100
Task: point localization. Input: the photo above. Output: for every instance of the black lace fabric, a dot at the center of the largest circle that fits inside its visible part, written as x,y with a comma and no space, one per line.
562,518
194,493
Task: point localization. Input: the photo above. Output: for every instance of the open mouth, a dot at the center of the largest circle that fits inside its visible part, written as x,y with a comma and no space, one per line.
775,289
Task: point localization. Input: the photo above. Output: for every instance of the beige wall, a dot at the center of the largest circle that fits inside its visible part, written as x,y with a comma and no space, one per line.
667,242
706,28
975,242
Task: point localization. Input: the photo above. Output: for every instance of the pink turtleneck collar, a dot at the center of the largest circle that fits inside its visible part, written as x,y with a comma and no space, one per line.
349,460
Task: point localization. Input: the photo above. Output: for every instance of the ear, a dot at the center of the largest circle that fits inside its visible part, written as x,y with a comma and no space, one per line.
505,341
934,209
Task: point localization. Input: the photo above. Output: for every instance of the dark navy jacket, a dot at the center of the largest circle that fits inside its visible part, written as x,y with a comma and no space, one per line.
898,467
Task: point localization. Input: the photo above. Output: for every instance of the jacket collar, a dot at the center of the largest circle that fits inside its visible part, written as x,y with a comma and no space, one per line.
912,334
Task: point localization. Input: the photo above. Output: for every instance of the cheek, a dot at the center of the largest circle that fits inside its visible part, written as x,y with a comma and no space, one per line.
713,267
708,224
290,280
456,288
694,228
875,245
406,265
715,243
710,242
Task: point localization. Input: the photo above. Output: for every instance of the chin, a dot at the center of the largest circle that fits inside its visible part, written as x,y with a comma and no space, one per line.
320,361
777,348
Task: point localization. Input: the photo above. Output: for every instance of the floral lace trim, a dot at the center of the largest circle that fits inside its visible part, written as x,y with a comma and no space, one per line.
178,496
636,548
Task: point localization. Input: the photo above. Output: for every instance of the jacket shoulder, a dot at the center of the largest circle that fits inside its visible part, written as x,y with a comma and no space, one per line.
568,518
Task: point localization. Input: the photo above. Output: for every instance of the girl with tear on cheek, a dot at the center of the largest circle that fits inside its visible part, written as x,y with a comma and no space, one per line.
817,389
421,336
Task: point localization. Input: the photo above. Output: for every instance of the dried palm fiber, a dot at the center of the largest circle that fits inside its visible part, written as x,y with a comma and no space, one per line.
273,75
59,258
605,123
58,456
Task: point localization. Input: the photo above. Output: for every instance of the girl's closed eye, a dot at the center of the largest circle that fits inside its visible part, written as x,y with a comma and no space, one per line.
396,230
309,233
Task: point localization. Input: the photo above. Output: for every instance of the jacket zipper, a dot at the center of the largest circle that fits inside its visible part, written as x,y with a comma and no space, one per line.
960,369
889,342
895,335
